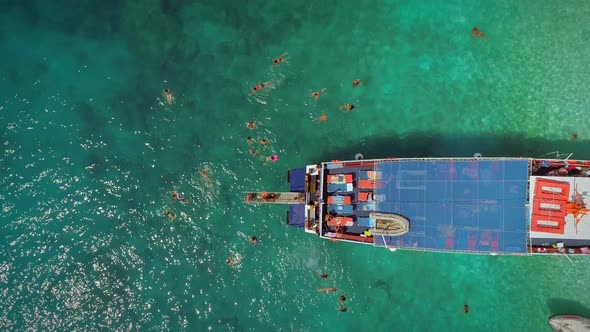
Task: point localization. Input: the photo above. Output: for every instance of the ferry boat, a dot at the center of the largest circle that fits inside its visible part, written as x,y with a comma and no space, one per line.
513,206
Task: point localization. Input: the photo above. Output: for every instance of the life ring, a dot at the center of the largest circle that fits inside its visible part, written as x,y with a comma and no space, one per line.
338,221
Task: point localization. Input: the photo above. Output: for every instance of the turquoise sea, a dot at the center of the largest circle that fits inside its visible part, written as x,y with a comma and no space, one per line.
91,151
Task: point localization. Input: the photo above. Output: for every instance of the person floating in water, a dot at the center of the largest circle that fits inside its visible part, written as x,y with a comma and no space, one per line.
356,83
274,158
251,125
180,198
171,215
347,107
327,289
253,240
323,275
316,94
233,260
475,33
466,308
321,118
260,86
282,58
343,308
574,136
168,96
205,176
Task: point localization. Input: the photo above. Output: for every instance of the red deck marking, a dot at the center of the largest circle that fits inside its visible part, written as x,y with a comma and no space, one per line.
346,200
551,189
335,178
541,208
550,206
450,243
340,221
557,228
363,196
370,184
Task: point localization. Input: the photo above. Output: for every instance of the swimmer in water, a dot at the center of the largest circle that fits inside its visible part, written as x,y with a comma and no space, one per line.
327,289
171,215
233,261
343,308
316,94
274,158
466,308
282,58
253,240
342,298
475,33
347,107
356,83
251,125
205,176
252,152
180,198
167,94
260,86
263,141
574,136
321,118
250,140
323,275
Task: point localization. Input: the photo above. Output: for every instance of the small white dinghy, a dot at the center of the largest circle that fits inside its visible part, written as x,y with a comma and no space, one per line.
569,323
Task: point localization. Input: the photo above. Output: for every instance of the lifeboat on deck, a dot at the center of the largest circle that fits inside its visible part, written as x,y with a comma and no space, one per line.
389,224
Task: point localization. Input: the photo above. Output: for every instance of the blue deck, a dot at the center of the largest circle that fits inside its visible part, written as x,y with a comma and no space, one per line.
473,205
297,180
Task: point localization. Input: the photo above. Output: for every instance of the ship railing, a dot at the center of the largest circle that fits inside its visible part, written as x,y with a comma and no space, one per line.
557,155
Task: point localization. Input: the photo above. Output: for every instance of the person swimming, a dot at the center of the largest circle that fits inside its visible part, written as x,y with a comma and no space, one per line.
250,140
180,198
171,215
323,275
343,308
252,152
274,158
233,260
356,83
205,176
260,86
327,289
475,33
167,94
321,118
342,298
251,125
466,308
316,94
282,58
347,107
253,240
263,141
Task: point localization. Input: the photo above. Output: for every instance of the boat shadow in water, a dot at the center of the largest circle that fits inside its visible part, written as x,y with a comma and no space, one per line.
559,306
441,145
